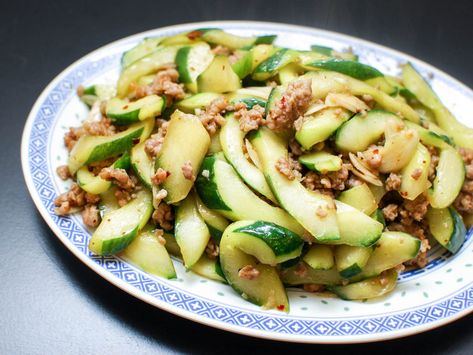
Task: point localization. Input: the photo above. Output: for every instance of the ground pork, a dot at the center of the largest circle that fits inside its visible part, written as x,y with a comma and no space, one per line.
391,212
154,143
91,216
291,106
212,117
393,182
372,156
188,171
119,177
159,235
295,149
221,50
335,180
464,201
249,119
164,216
160,176
123,196
212,250
63,172
158,197
104,127
74,199
283,166
434,161
248,272
164,83
97,166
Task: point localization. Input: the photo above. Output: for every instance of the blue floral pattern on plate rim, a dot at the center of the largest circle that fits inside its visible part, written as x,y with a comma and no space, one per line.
37,170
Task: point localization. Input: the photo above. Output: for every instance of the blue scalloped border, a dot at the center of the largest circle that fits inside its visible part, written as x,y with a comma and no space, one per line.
40,170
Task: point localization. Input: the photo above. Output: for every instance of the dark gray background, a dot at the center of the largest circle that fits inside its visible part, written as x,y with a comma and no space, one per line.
49,301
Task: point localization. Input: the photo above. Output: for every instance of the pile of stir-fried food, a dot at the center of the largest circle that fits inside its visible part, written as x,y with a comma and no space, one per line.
266,167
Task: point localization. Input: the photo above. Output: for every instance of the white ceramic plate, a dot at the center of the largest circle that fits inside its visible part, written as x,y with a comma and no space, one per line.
424,299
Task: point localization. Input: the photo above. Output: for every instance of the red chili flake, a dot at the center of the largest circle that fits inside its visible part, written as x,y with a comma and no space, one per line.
375,151
194,34
283,102
423,161
281,307
403,193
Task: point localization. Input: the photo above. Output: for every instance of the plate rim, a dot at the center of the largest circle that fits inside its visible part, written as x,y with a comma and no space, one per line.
162,304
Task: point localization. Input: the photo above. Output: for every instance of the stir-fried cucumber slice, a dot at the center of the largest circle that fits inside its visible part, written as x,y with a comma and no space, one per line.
142,164
413,81
359,197
208,268
197,101
186,143
221,189
147,253
370,288
321,162
319,257
142,49
191,61
90,149
348,67
324,82
123,112
271,66
95,184
248,244
232,141
450,174
351,260
119,227
302,273
219,77
447,227
415,175
214,221
191,232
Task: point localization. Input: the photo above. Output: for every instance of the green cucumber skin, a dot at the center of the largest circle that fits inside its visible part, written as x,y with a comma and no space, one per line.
321,49
459,232
123,119
110,149
250,102
267,39
354,69
219,271
279,239
206,187
350,271
181,59
379,216
215,233
271,64
113,246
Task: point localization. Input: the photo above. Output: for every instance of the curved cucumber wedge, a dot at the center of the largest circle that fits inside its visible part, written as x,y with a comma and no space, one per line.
321,125
229,40
415,175
197,101
321,162
221,189
293,276
191,61
147,253
270,243
90,149
356,228
266,289
363,130
351,260
429,137
413,81
191,233
142,49
313,211
447,227
219,77
208,268
96,92
324,82
270,66
450,175
95,184
232,141
348,67
374,287
242,67
392,249
142,164
215,222
123,112
319,257
359,197
119,227
330,52
186,141
148,64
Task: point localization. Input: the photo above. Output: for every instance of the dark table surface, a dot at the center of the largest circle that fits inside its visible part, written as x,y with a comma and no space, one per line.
49,301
